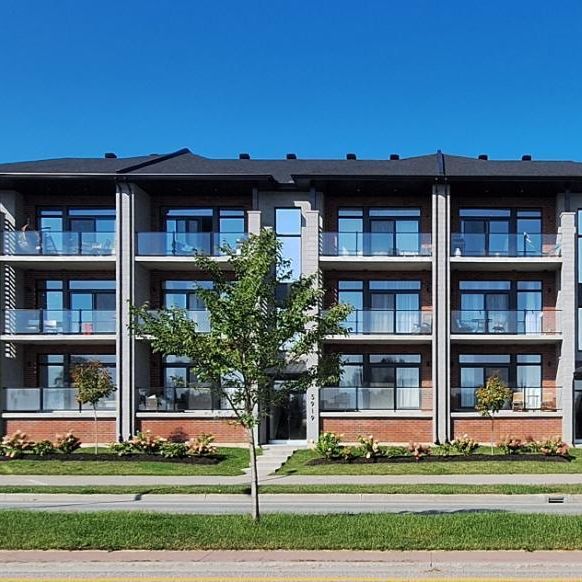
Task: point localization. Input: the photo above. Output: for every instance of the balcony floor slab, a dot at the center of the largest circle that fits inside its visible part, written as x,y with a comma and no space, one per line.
506,263
59,339
78,263
363,263
176,263
378,338
506,338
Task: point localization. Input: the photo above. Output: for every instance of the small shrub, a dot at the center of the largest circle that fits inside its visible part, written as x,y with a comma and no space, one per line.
464,445
444,450
123,449
418,451
511,445
67,443
43,448
146,442
14,446
396,452
348,454
171,450
202,446
369,447
329,445
553,446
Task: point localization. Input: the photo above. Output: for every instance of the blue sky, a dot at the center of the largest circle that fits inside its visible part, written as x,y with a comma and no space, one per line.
314,77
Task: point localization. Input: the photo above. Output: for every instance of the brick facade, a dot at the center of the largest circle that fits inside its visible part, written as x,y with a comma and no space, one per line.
224,430
47,428
388,430
519,427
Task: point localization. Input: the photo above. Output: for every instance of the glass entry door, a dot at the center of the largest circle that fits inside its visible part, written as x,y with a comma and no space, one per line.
288,419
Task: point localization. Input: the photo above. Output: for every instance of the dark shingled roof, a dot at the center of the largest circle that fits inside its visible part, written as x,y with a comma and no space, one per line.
184,163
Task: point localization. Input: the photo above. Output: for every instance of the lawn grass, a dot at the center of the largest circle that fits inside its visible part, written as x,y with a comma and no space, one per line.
27,530
421,489
296,465
236,459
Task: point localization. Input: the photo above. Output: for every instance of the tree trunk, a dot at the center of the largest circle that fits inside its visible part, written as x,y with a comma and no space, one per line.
95,423
254,476
492,432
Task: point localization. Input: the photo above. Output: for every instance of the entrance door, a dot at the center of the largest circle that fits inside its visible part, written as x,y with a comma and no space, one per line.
288,419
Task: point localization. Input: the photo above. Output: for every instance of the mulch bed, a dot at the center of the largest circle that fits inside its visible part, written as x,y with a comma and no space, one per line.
210,460
444,459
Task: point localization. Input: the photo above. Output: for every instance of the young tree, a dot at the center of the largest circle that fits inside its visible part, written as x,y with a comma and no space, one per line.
92,382
257,335
491,398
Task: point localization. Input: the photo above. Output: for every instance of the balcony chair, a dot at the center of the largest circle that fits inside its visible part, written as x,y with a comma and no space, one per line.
518,402
549,404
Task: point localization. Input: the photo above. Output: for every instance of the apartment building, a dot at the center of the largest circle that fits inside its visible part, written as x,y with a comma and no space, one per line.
458,269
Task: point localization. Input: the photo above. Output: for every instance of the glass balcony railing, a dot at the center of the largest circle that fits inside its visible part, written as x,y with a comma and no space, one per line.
354,398
177,399
375,244
200,316
523,399
187,244
505,245
391,321
51,322
49,243
49,400
492,321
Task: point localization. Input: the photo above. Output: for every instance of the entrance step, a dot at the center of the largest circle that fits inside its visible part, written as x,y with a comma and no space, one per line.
273,458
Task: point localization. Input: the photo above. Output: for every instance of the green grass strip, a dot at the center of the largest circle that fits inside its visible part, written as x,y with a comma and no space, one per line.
148,531
299,489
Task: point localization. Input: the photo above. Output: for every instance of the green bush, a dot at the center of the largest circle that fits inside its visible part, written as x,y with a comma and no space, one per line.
170,450
418,451
329,445
464,445
553,446
43,448
348,454
14,446
123,449
369,447
396,452
510,445
202,446
67,443
146,442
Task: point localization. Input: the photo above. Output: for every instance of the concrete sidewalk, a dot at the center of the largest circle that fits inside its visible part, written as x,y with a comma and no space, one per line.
145,480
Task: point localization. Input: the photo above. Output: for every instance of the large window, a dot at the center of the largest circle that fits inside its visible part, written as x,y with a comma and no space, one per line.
378,231
183,295
522,372
500,307
288,231
375,382
203,230
382,306
499,232
73,231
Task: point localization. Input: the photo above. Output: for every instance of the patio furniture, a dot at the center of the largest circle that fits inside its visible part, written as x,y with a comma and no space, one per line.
518,402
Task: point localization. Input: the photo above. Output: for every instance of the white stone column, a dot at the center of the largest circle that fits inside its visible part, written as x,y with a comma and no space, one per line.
441,356
566,304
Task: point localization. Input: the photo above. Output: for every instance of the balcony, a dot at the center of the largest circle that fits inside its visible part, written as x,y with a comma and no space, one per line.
46,249
176,399
33,324
382,325
50,400
494,251
200,316
503,325
179,247
524,399
354,250
363,398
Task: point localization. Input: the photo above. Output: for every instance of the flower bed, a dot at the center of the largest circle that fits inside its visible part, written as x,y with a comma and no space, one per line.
441,459
192,460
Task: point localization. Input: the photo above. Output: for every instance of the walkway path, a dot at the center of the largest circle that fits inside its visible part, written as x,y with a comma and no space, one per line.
105,480
289,565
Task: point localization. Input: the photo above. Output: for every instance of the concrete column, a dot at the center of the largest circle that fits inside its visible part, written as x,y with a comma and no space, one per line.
441,364
253,221
132,205
566,304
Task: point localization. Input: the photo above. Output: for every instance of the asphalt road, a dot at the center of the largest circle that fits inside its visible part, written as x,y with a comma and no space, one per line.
284,565
313,504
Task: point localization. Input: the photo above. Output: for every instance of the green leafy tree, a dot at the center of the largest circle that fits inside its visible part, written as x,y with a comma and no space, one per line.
257,336
491,398
92,382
